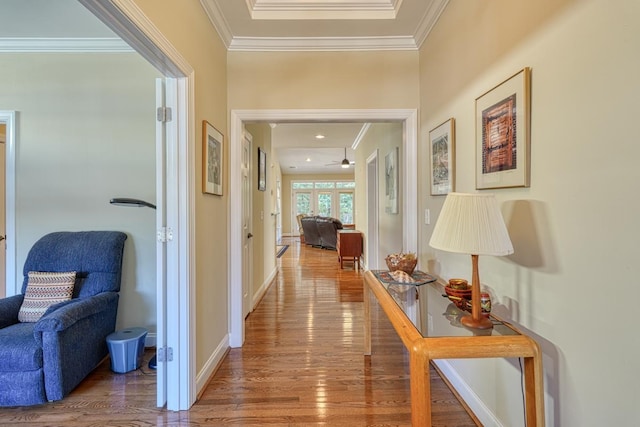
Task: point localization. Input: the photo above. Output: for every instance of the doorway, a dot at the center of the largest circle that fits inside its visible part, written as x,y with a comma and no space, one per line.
9,285
371,255
138,32
408,117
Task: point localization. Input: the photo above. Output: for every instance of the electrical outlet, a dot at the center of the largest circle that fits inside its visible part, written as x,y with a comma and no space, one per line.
430,322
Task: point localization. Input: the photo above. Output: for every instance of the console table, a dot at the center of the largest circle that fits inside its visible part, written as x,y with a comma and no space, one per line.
349,247
416,313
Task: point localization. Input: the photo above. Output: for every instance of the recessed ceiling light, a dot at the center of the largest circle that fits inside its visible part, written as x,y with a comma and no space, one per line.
319,136
308,159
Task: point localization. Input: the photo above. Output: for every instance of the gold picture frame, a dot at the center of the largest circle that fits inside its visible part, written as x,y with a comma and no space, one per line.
442,143
503,116
212,159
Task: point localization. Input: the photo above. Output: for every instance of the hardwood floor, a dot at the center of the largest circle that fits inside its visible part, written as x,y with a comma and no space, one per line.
301,365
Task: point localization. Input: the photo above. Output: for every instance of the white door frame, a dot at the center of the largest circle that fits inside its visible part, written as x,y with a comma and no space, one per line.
409,118
12,287
128,21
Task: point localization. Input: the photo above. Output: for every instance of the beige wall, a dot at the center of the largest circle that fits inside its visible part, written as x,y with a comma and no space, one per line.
270,80
381,137
188,29
573,230
85,134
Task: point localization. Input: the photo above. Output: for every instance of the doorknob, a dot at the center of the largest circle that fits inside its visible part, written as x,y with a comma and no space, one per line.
2,238
249,236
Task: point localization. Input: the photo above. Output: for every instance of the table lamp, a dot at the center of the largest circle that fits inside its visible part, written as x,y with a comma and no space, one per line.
472,224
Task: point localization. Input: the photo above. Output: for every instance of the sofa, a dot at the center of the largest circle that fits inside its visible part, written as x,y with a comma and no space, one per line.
321,231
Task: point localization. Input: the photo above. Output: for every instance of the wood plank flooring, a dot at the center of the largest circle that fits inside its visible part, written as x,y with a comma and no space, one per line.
301,365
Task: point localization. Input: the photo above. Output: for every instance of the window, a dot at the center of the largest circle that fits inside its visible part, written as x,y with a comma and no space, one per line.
325,198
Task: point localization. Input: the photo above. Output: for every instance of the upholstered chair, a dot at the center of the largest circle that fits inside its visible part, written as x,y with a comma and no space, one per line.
53,334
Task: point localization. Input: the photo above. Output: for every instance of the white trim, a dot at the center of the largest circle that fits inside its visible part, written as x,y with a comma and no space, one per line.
429,21
12,287
251,43
211,365
477,406
410,181
128,21
63,44
321,44
361,135
257,297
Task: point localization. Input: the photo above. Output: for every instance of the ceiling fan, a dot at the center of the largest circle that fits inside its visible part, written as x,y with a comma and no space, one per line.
345,163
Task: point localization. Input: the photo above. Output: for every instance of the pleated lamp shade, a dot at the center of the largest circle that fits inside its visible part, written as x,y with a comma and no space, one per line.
471,224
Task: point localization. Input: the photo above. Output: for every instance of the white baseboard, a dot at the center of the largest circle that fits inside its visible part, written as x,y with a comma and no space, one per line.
263,288
210,366
486,417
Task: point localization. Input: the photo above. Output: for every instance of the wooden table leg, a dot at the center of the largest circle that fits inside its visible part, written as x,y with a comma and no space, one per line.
534,391
420,386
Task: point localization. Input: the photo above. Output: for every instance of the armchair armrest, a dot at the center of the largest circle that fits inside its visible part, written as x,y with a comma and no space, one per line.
61,316
9,308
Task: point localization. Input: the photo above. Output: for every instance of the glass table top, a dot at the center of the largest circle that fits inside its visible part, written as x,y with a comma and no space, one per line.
432,313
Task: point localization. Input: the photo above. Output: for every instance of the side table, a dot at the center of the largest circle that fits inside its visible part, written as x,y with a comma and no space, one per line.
349,247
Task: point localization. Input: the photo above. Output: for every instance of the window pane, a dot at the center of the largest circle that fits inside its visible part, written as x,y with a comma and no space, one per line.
324,204
303,203
325,184
345,185
346,208
302,185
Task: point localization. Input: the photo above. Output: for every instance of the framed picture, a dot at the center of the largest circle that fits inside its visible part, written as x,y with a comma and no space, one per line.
442,142
502,133
262,170
391,181
212,159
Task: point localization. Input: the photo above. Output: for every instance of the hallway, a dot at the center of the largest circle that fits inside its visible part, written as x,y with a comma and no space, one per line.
302,362
301,365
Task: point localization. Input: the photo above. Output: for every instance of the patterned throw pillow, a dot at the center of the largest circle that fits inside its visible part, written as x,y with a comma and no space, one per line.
45,289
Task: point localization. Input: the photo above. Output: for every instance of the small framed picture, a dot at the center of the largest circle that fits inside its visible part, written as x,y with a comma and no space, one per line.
262,170
212,159
502,134
442,143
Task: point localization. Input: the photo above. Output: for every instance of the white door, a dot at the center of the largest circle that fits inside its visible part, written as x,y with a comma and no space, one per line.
278,212
161,244
247,226
371,255
3,229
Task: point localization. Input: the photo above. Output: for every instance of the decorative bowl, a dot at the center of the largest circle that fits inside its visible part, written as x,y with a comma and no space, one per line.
460,284
401,263
460,297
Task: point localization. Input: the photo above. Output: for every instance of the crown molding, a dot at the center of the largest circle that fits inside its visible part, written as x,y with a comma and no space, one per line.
322,43
82,45
218,20
429,20
323,9
408,42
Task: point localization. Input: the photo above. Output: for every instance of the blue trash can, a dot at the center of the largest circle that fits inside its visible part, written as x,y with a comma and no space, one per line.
126,348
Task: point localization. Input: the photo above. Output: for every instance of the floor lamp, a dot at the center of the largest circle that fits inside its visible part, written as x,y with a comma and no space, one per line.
136,203
472,224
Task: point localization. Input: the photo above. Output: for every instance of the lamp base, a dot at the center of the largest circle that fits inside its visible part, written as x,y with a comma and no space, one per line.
481,323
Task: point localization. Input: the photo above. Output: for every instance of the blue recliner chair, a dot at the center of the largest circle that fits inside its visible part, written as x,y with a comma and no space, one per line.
44,360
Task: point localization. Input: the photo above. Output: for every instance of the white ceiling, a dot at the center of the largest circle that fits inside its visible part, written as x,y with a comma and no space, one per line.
65,25
300,152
